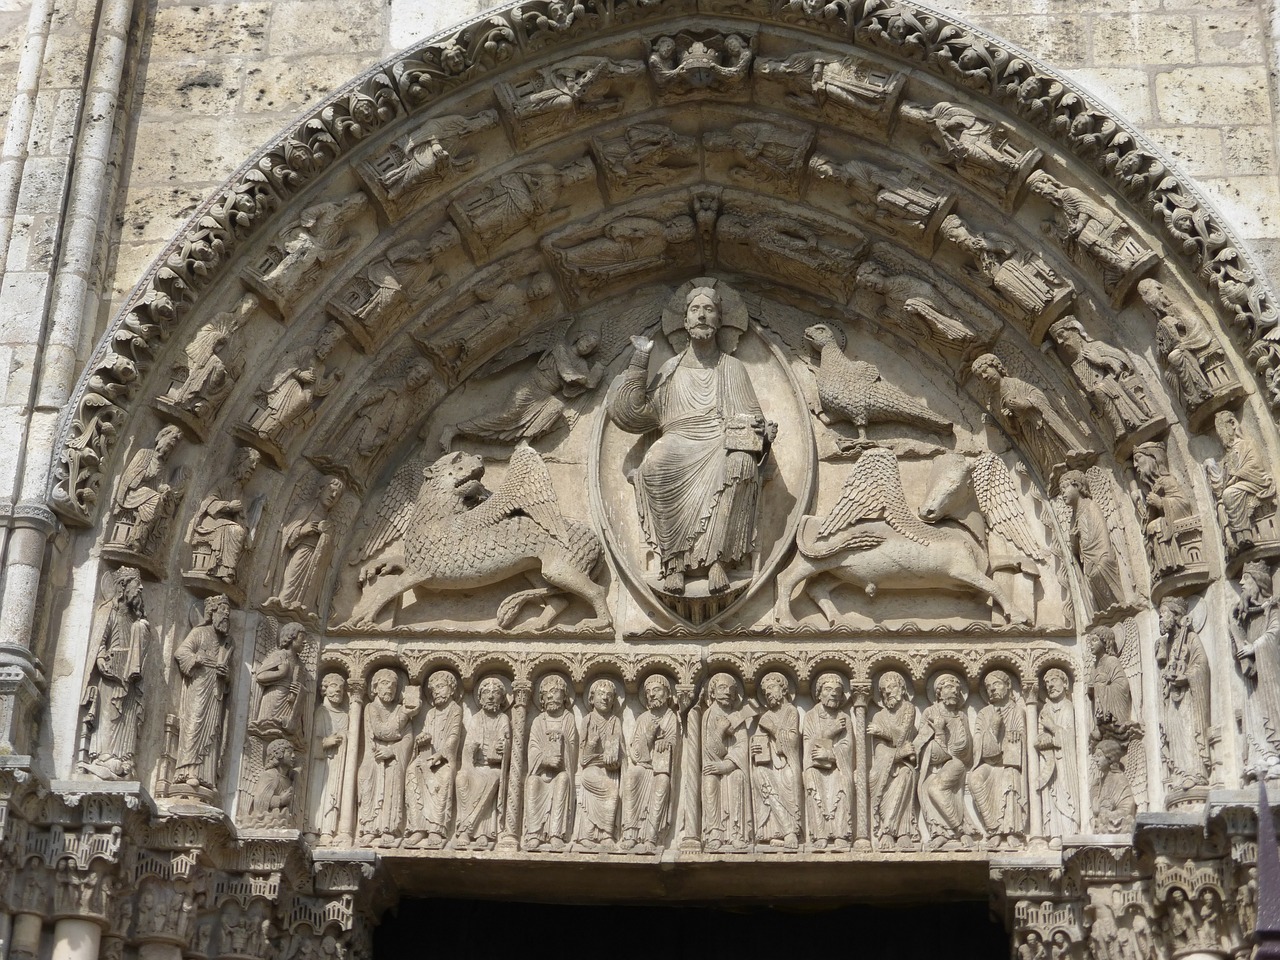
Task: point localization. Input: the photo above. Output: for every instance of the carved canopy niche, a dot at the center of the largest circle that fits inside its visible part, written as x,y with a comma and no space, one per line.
920,554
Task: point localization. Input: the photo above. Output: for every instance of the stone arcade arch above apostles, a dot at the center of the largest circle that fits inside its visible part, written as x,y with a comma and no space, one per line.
622,433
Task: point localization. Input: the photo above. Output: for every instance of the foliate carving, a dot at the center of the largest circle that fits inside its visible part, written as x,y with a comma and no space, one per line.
552,762
143,504
304,548
1185,692
385,409
439,529
203,660
323,235
697,64
899,203
644,155
560,97
388,743
331,738
279,678
429,785
525,198
219,532
1036,426
544,400
482,771
600,760
1059,759
945,748
651,757
854,392
697,485
429,157
997,781
1107,376
842,88
1174,534
1244,488
1255,629
982,151
873,539
1195,365
211,365
1093,231
828,766
286,403
1031,287
112,703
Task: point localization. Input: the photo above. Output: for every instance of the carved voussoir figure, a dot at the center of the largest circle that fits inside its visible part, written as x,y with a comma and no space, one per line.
426,157
690,64
1195,365
323,235
203,660
482,772
112,702
1172,526
385,410
1107,376
894,766
287,402
651,757
926,312
429,785
1244,489
1025,279
898,202
981,150
828,766
388,741
271,800
559,97
528,197
143,504
644,155
219,532
279,678
1255,629
1100,234
305,547
1035,425
442,530
552,763
845,86
1093,545
600,759
202,381
777,761
331,738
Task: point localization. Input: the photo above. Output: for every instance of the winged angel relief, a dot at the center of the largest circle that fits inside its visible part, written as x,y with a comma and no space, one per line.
439,528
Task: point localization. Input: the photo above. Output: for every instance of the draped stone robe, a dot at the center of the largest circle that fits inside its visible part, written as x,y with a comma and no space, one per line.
548,793
428,787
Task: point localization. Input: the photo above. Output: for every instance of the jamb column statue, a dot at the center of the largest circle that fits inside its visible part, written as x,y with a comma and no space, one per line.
697,486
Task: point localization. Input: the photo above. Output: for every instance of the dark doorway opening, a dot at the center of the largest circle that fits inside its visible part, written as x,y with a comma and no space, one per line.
465,929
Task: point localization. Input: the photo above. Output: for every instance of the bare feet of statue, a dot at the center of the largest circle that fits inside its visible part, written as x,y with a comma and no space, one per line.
717,579
673,582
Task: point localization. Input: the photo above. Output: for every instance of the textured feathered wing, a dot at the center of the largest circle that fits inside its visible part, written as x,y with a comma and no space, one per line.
395,510
526,489
873,491
999,502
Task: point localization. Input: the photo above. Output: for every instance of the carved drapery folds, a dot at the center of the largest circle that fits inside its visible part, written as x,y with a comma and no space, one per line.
543,595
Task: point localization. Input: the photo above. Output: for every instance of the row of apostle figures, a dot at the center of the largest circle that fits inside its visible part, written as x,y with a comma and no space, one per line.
767,774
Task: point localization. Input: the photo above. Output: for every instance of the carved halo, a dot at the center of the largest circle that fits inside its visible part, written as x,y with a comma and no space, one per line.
815,686
1010,675
909,689
733,314
790,688
502,682
932,686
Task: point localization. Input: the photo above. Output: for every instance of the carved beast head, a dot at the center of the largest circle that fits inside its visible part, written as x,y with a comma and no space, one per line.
456,476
